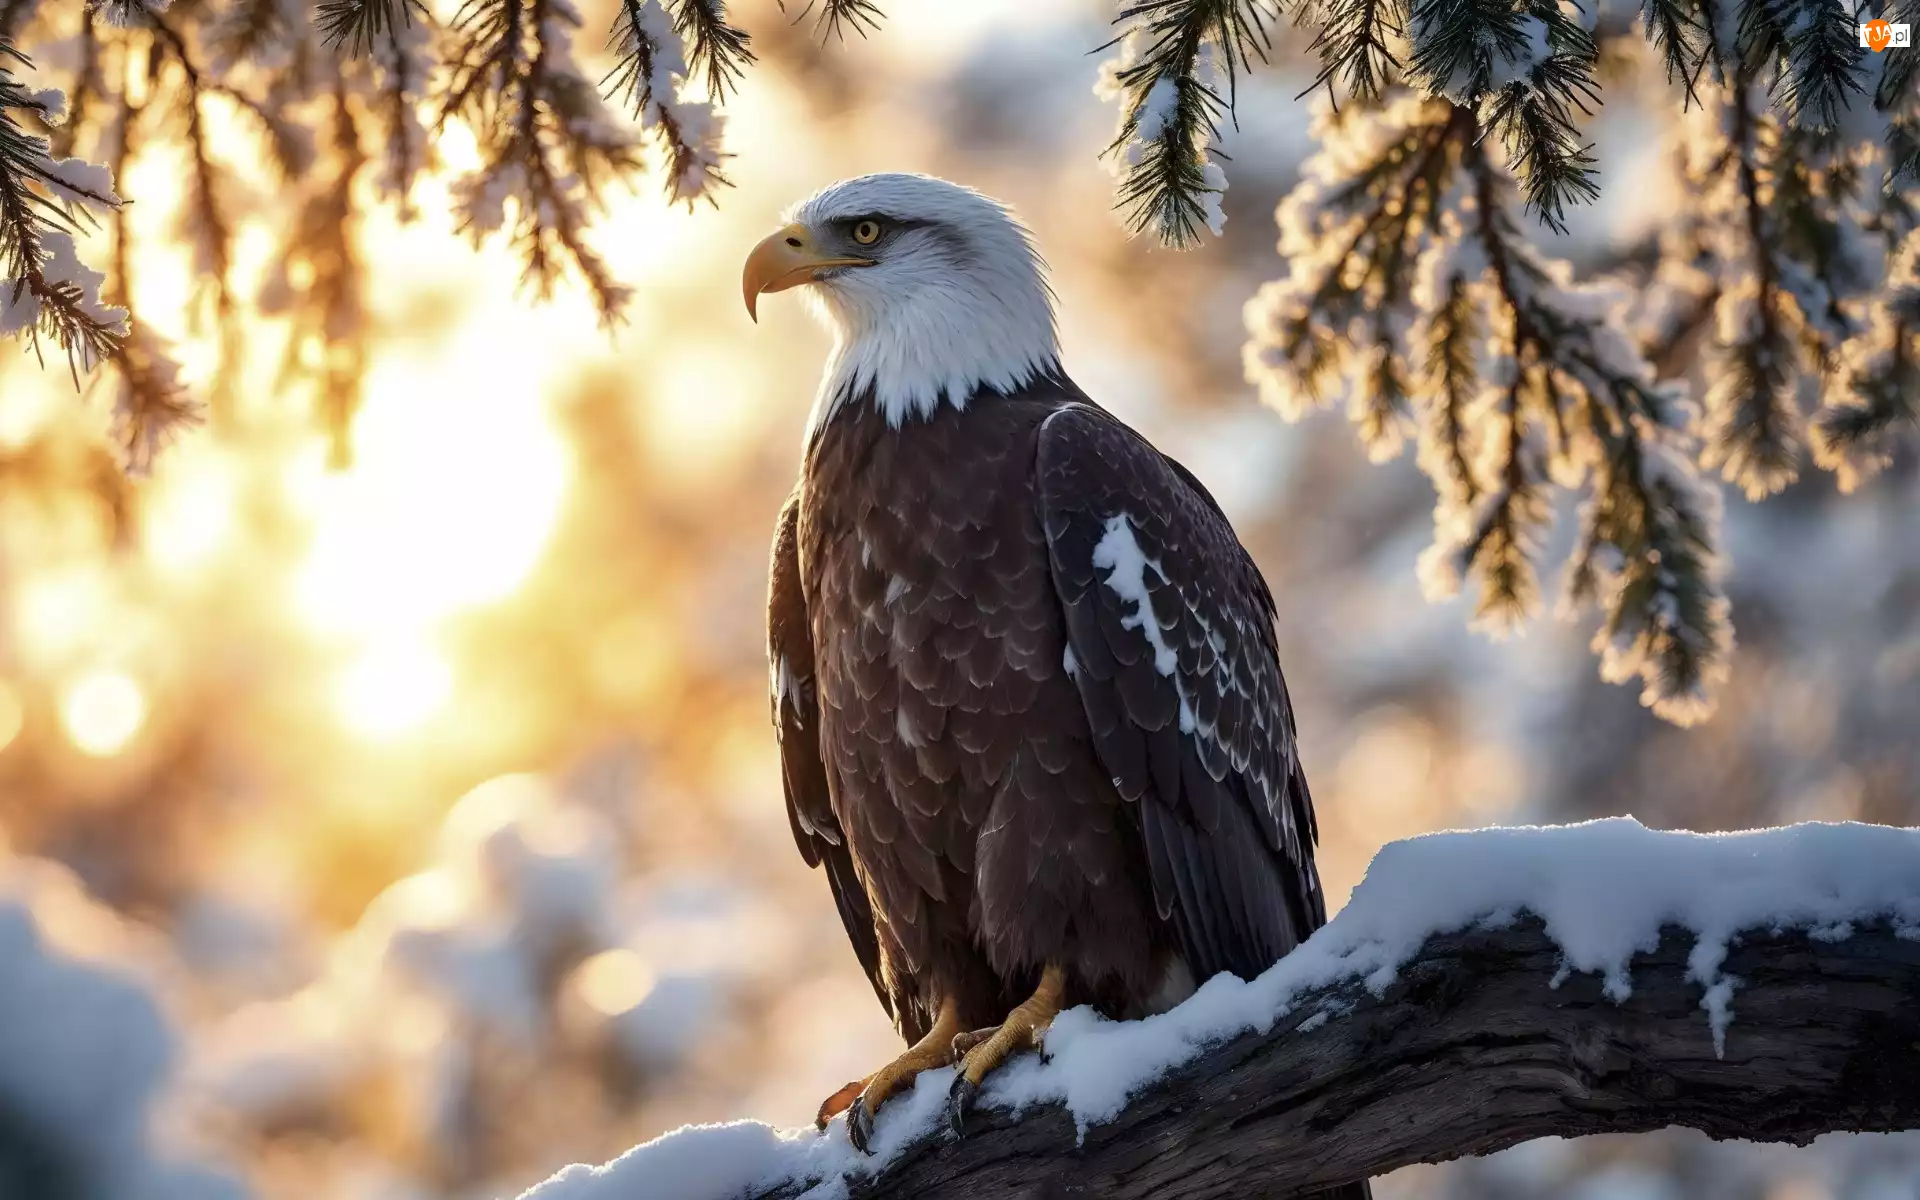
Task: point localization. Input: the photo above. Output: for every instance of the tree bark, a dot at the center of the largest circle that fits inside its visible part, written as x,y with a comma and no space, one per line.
1472,1050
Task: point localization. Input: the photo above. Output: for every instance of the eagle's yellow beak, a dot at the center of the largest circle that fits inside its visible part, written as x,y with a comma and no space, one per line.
787,258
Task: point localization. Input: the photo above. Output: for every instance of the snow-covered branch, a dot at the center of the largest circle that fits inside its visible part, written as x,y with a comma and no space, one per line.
45,290
1878,398
1413,284
1479,990
1172,78
654,70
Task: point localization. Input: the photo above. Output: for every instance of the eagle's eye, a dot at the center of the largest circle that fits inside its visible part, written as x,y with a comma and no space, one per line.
867,232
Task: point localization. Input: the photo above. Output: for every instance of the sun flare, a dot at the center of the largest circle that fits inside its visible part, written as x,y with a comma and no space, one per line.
457,480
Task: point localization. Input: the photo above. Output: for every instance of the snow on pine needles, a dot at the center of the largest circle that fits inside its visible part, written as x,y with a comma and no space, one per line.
1413,288
1604,891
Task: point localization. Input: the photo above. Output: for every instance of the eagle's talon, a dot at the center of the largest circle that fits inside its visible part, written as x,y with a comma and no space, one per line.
860,1125
988,1049
838,1103
933,1050
960,1100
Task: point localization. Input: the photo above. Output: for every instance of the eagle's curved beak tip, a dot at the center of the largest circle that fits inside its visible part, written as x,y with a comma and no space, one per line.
786,258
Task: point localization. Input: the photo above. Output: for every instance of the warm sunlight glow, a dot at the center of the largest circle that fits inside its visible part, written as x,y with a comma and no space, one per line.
56,613
614,981
102,712
191,517
26,411
392,688
457,480
13,715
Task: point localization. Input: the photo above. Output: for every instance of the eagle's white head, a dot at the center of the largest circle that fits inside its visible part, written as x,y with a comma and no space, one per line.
932,291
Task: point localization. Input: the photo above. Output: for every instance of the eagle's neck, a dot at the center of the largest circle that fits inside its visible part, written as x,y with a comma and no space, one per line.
942,346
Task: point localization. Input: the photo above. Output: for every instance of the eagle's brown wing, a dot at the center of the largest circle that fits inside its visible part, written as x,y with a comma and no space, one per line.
796,723
1189,715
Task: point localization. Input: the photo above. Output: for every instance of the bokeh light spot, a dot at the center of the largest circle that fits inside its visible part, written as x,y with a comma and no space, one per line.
103,711
614,981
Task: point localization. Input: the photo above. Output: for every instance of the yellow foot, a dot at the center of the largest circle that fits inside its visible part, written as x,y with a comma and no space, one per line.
933,1050
1022,1030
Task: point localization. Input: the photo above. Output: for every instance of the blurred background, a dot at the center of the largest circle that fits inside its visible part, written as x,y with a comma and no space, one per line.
409,829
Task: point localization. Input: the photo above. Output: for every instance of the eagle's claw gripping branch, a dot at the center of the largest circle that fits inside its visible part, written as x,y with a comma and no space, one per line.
1022,1029
933,1050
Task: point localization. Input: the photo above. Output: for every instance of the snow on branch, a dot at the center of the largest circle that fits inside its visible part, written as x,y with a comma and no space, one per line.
1480,989
1528,71
1415,292
1414,288
652,72
1173,80
548,146
45,201
1878,397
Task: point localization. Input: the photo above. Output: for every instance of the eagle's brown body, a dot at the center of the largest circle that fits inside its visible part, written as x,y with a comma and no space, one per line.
997,767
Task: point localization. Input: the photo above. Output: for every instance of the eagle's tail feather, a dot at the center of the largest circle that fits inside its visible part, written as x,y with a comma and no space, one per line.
1346,1191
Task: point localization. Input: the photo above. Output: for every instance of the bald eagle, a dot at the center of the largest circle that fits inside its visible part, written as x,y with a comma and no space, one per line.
1025,679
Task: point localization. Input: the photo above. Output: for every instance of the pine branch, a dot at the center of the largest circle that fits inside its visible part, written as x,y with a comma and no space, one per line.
1813,47
14,16
1822,255
1903,152
127,14
208,225
151,406
253,31
1353,45
1528,70
1876,400
45,290
1535,121
1898,96
1682,40
402,69
1752,420
358,25
327,338
714,47
1648,558
1407,265
838,16
1351,232
1174,79
1450,375
1647,552
548,147
1897,88
1498,545
86,86
650,72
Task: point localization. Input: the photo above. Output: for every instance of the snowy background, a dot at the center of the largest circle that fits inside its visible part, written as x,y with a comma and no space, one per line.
408,832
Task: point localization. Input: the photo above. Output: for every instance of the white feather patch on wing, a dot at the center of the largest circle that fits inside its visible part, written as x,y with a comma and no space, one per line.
1118,553
786,690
